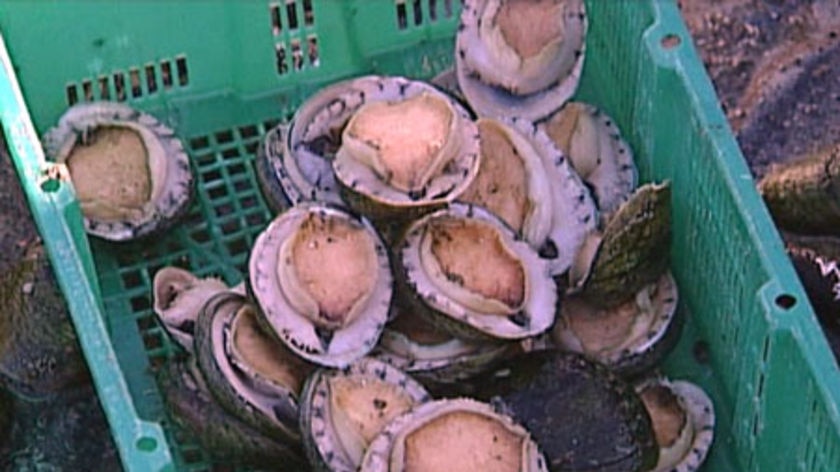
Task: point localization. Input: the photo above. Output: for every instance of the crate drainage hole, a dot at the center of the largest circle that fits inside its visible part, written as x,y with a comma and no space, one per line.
147,444
670,41
50,185
785,301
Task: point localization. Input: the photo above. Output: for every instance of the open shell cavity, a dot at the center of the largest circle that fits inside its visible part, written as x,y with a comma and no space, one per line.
178,297
458,435
596,149
468,271
406,146
303,156
629,337
430,354
520,58
130,172
683,418
527,181
344,409
322,279
251,373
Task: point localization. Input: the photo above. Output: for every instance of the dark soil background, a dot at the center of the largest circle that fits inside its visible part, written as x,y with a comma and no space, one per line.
773,63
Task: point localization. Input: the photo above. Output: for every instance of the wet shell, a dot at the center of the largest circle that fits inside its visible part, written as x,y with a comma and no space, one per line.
804,196
633,251
302,157
629,338
225,437
434,356
526,181
123,195
447,81
457,435
683,418
329,311
470,274
408,149
343,410
495,77
249,373
178,298
583,417
826,246
595,148
820,276
271,171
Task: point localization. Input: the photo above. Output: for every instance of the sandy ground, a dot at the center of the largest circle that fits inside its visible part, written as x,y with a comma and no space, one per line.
773,63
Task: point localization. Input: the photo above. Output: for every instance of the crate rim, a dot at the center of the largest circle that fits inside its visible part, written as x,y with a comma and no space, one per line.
143,444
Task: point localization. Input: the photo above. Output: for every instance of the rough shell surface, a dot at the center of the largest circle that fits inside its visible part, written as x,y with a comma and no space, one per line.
634,250
226,438
804,196
604,425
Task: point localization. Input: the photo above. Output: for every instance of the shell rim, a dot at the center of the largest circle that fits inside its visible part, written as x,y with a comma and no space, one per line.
281,316
177,190
542,292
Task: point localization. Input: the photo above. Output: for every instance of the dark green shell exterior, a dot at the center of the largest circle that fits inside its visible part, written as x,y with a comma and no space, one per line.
639,364
804,197
389,220
310,446
315,395
822,287
224,437
635,249
825,246
267,179
221,389
582,415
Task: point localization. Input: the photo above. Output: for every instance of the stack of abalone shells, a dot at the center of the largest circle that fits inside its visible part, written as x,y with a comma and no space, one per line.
447,285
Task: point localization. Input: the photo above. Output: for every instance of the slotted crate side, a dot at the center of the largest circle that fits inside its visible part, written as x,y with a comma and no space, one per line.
728,260
56,213
224,120
716,261
230,51
795,420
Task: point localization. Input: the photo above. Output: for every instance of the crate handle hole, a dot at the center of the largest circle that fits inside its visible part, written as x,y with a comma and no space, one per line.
786,301
147,444
670,41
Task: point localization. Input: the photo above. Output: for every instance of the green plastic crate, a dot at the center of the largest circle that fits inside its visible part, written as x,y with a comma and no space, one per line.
222,73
